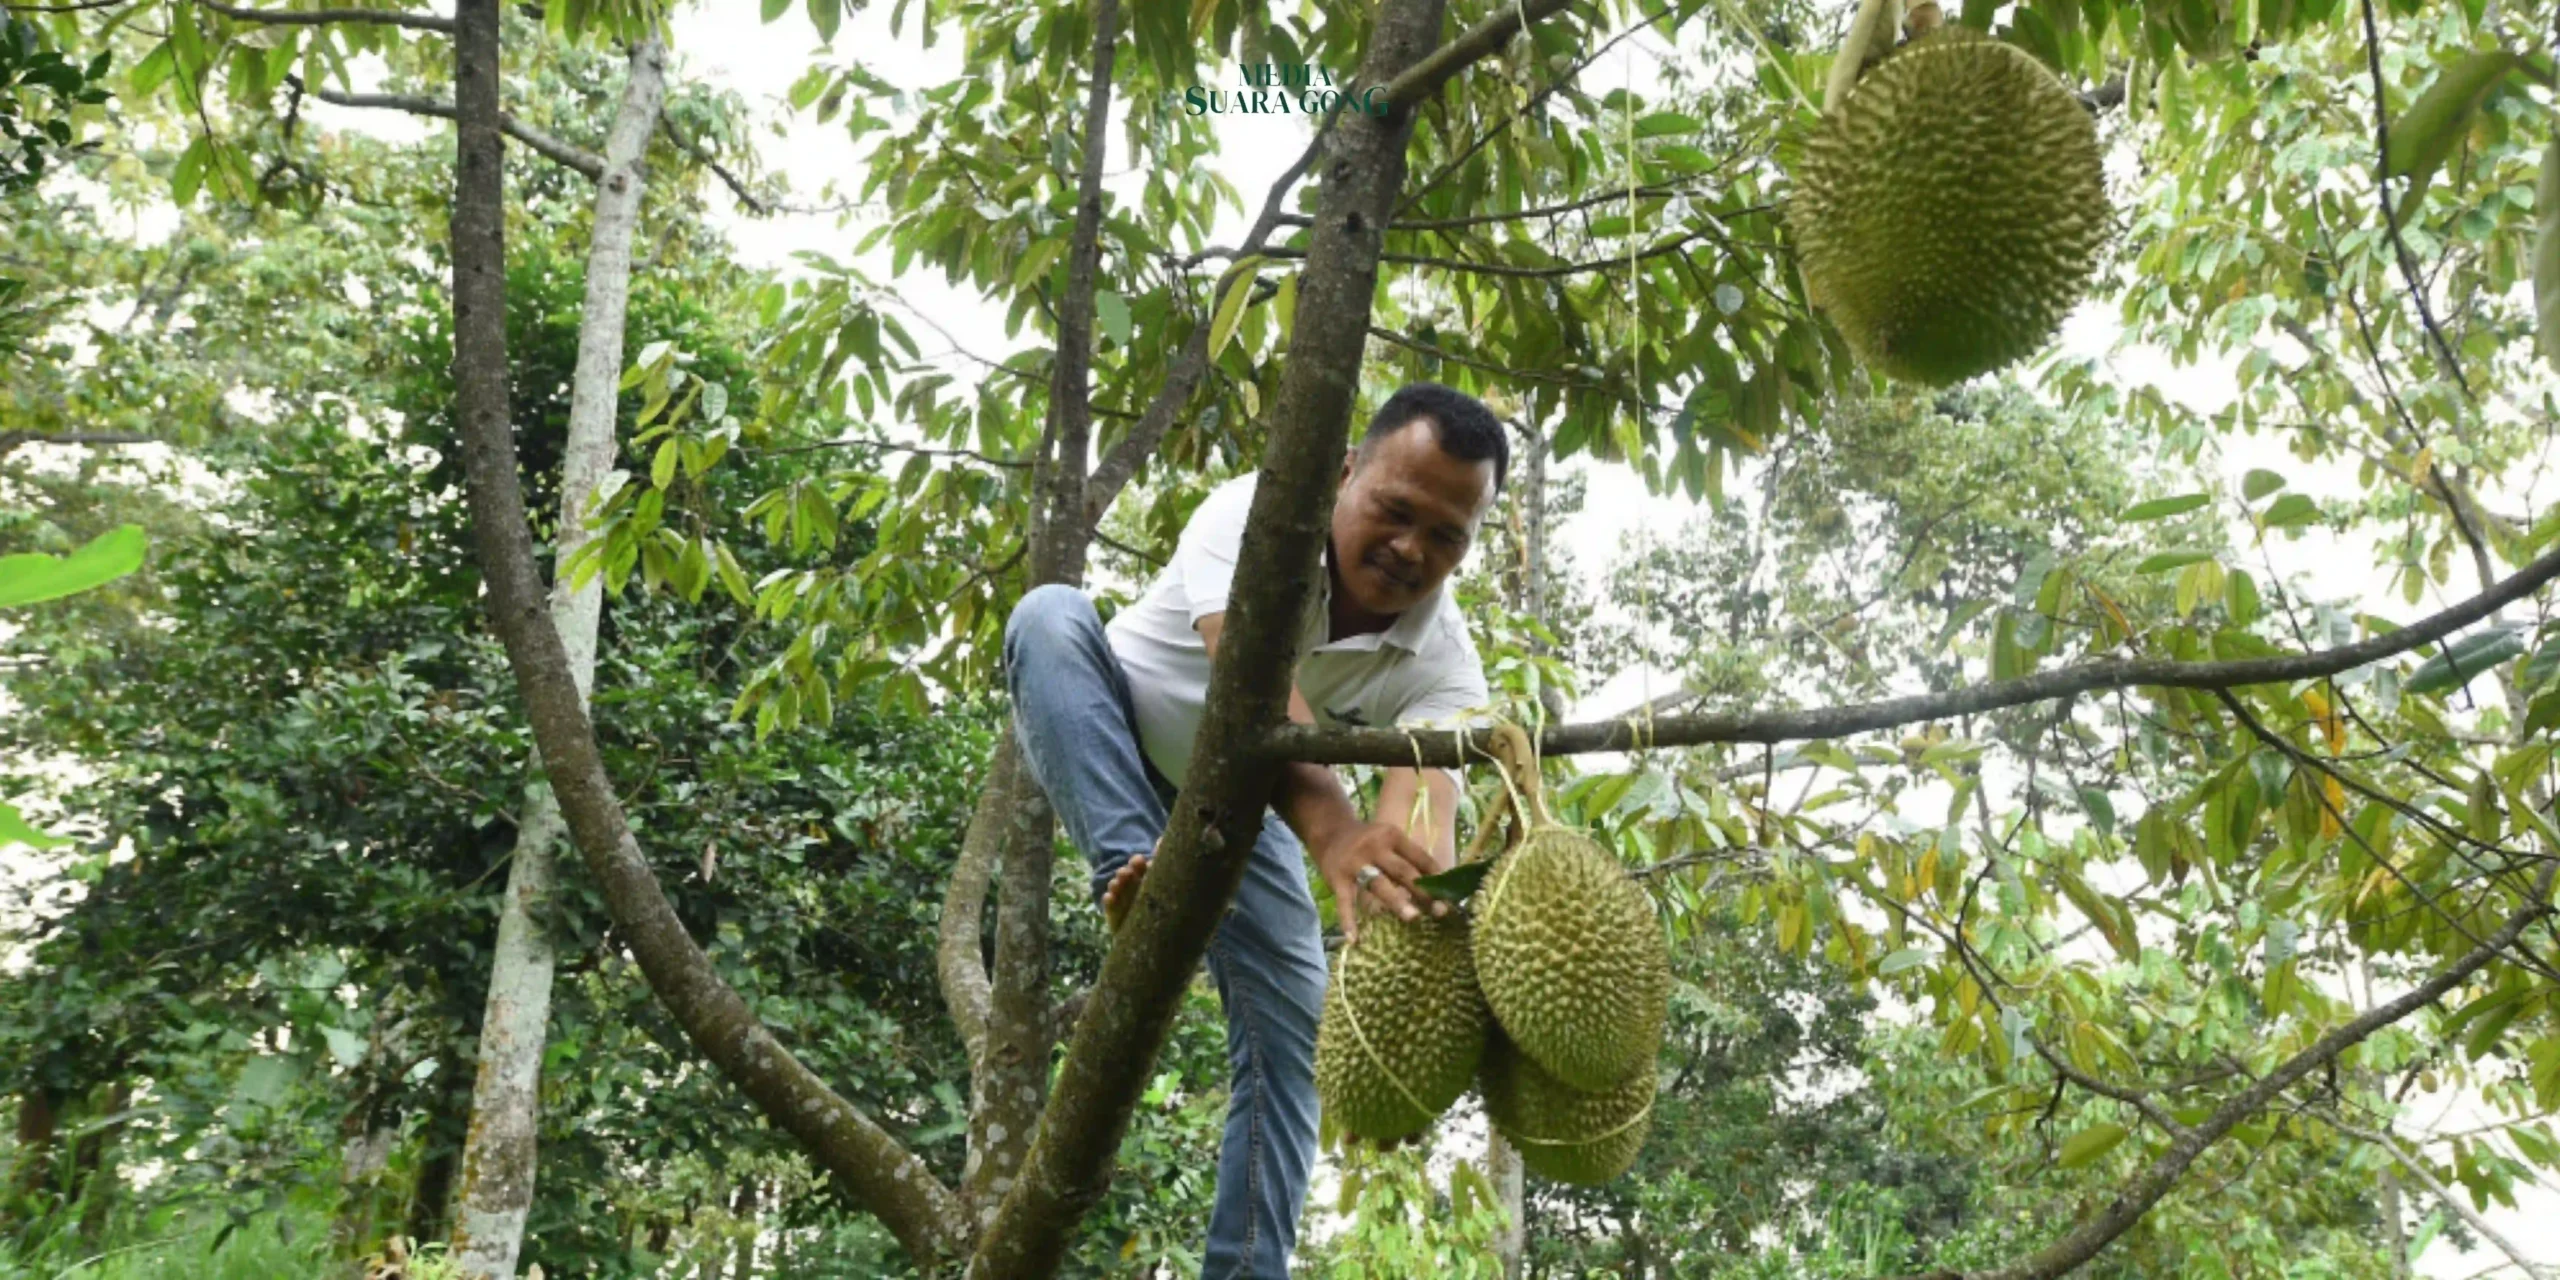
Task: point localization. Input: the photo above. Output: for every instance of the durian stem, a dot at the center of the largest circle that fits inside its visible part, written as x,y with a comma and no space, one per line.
1518,758
1876,23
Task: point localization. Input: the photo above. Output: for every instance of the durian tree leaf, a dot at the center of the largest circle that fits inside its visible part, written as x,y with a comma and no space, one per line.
1665,124
2425,134
2546,256
2163,508
2465,659
15,829
2542,666
2259,483
1458,883
2167,560
2290,510
2089,1144
33,576
1239,286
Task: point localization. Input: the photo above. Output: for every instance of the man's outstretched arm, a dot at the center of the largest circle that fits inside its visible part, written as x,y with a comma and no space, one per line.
1311,799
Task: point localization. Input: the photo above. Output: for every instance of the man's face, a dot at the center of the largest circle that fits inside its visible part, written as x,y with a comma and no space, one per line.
1405,517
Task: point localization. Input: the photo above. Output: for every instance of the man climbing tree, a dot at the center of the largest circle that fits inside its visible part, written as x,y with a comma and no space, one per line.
1105,716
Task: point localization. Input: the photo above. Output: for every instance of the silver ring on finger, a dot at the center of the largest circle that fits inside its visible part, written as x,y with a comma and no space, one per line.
1365,875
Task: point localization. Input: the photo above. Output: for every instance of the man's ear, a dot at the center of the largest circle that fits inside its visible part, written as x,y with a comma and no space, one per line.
1350,459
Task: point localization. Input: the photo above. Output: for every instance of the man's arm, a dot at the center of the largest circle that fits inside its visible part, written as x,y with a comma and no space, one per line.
1311,799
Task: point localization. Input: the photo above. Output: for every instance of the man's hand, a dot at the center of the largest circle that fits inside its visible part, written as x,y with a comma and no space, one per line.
1400,860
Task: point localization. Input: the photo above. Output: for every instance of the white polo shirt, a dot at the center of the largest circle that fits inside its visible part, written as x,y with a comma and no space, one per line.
1421,671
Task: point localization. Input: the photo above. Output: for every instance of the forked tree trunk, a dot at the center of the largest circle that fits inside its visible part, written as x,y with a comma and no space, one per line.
498,1164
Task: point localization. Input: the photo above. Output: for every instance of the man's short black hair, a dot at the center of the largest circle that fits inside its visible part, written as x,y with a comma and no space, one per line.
1466,429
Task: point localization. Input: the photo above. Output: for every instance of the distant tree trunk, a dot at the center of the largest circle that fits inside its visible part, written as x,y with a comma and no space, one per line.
39,1115
498,1164
746,1209
1502,1167
93,1160
431,1196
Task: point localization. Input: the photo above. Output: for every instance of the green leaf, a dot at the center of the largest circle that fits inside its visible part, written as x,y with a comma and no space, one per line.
15,829
662,469
2091,1143
1664,124
33,576
2102,809
2160,508
1457,883
2290,510
2466,658
2544,664
2168,560
1112,311
2259,483
2241,598
344,1045
188,177
775,8
826,14
2425,134
1231,308
1901,960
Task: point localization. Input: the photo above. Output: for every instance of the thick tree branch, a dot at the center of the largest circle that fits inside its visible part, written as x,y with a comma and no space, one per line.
1013,1074
550,148
324,17
870,1164
1216,818
958,954
1398,746
1480,41
2084,1242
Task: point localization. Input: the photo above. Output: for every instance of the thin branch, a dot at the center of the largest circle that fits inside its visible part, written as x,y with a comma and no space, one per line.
551,148
892,446
1182,378
324,17
2461,1207
10,440
1455,749
1545,91
1670,246
700,155
1659,190
2390,222
2127,1207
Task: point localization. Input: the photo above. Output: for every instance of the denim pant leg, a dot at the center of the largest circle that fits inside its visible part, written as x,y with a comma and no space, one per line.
1078,730
1267,958
1078,733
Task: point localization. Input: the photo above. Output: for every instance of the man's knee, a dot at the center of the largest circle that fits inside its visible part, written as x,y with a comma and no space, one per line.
1046,613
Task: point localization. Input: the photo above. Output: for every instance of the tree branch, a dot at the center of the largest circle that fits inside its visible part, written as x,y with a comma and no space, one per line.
1121,464
1013,1074
2460,1207
870,1164
701,155
551,148
1216,818
1454,749
324,17
2147,1188
1670,246
1480,41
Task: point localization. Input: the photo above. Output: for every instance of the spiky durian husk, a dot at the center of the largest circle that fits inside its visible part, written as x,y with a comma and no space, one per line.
1407,1044
1948,215
1571,957
1562,1132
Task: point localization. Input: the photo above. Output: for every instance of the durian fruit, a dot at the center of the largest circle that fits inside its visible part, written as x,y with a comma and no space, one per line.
1571,958
1948,214
1561,1132
1403,1027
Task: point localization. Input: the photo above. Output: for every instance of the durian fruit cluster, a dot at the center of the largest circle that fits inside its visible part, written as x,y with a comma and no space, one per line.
1948,211
1548,995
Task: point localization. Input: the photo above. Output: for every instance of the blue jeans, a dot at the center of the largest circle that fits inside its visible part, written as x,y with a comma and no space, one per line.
1078,732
